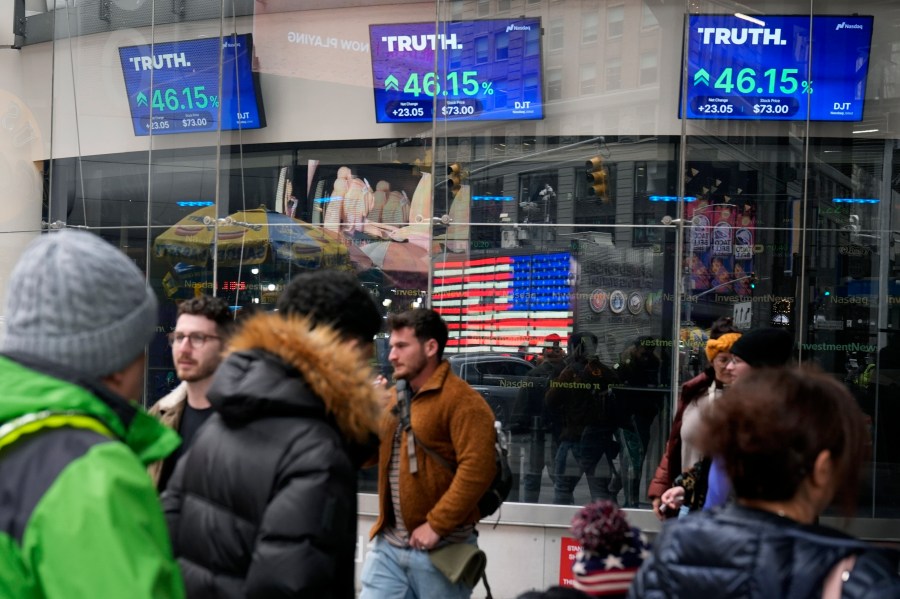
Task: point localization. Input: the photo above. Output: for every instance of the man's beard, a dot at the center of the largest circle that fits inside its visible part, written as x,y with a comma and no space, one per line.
413,370
198,375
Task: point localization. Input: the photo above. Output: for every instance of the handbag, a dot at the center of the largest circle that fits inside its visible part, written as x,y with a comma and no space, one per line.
460,562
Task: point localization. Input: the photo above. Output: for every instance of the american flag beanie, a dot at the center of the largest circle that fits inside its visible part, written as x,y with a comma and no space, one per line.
612,551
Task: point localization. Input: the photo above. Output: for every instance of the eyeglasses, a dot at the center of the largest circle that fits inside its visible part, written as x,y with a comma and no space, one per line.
197,340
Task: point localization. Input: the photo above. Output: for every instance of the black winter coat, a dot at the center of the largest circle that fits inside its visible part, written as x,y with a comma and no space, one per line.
264,503
737,552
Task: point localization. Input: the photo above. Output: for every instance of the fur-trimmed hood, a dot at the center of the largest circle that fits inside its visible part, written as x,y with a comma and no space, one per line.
279,366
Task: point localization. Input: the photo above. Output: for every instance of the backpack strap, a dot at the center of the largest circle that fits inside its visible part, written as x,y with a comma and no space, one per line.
487,587
403,411
437,457
34,422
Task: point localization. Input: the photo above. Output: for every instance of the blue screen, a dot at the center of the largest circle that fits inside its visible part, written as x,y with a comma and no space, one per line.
185,97
486,70
787,68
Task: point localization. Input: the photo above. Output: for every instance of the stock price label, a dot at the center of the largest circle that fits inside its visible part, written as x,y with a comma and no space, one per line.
486,70
758,106
777,67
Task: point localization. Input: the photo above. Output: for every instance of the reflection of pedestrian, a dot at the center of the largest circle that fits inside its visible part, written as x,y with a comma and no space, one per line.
636,410
543,419
552,360
523,353
887,386
580,396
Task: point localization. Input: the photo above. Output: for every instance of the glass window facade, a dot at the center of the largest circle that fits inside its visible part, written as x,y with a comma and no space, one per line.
537,260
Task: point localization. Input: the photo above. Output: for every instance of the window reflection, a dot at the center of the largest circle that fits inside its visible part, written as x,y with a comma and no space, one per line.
790,255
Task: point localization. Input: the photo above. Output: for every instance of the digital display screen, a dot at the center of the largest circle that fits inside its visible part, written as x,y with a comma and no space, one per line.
777,67
485,71
497,304
185,96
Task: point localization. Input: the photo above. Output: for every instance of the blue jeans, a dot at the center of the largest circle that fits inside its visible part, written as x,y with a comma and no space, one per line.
394,573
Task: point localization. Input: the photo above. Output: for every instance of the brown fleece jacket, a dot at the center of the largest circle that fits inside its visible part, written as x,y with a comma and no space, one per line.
453,420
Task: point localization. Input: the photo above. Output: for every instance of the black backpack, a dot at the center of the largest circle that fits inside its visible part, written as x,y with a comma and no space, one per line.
500,487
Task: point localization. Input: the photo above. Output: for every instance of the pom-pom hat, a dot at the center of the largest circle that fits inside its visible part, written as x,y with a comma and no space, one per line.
612,550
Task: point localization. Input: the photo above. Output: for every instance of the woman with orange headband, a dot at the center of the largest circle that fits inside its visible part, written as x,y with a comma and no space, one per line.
681,450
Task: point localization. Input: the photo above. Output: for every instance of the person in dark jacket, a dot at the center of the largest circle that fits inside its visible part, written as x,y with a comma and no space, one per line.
541,419
579,396
762,348
264,503
793,442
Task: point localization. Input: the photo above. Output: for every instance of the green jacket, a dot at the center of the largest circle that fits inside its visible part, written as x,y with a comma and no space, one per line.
80,516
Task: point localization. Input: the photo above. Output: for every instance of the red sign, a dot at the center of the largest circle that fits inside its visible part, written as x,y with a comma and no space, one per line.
568,549
234,286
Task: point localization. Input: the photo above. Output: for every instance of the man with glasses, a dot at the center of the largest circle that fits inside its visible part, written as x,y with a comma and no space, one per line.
198,339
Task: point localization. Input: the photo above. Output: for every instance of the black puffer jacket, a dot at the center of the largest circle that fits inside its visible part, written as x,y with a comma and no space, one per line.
264,503
743,553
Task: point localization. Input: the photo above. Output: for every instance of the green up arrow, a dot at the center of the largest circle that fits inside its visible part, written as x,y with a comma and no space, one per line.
391,83
701,76
141,99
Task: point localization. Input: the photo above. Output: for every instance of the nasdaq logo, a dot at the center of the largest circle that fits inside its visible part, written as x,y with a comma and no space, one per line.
843,25
740,36
518,28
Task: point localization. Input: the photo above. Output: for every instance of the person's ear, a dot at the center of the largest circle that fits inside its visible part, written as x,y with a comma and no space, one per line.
128,381
113,381
820,483
823,470
431,348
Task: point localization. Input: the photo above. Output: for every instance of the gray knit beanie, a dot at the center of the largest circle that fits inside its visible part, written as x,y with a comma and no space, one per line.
75,300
